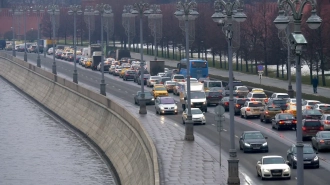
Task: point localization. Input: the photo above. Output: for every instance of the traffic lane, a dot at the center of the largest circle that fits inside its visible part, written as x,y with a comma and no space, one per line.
208,130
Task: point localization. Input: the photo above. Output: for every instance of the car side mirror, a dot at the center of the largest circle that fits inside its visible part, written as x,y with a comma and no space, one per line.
266,137
258,162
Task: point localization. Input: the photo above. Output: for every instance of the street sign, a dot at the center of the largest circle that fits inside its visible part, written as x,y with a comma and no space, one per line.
219,110
260,68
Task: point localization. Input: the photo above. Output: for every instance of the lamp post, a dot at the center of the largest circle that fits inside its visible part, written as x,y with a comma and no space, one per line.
14,11
155,24
109,26
186,11
128,23
297,41
75,10
38,9
103,10
141,9
89,19
23,10
53,10
232,12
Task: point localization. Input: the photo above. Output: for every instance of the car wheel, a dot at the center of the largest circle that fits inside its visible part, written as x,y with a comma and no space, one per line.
205,110
261,120
273,126
266,120
317,148
244,150
183,121
294,166
241,114
258,174
135,102
245,116
240,147
278,127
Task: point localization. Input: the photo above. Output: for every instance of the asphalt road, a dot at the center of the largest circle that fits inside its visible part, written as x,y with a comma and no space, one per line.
278,141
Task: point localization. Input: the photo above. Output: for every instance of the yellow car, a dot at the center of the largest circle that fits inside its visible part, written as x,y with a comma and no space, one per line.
88,63
269,113
292,109
122,72
159,90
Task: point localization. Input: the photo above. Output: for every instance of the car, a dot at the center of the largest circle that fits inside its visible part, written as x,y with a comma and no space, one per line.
197,116
280,96
291,101
122,72
161,74
325,120
70,57
280,102
235,83
311,114
208,84
251,108
191,80
50,51
176,88
310,127
284,120
153,80
112,69
178,78
251,141
32,49
257,94
164,105
238,103
225,103
309,156
78,57
145,77
138,75
308,104
322,107
321,141
273,166
213,97
81,59
169,85
269,113
117,71
149,99
240,91
58,54
88,63
129,74
291,109
159,90
164,79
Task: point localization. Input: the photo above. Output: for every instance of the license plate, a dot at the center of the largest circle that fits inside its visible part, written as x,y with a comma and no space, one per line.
276,173
307,162
256,147
287,121
256,110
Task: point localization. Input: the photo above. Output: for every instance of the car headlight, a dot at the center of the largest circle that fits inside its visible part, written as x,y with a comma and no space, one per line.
175,107
286,170
162,108
294,158
192,103
316,158
203,118
152,99
204,103
265,144
265,170
247,144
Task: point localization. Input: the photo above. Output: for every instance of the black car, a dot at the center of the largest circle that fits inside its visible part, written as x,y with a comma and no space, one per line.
225,103
321,141
309,156
284,120
138,73
149,98
280,102
145,78
253,141
238,104
213,97
70,57
129,75
311,114
58,54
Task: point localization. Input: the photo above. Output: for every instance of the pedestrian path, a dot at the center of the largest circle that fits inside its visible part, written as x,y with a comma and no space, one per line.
307,89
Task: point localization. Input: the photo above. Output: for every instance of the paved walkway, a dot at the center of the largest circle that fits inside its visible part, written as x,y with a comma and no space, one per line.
308,89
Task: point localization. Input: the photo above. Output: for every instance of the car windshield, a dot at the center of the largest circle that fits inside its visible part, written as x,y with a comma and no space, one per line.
242,89
146,75
170,83
293,100
325,135
214,84
241,101
279,102
255,104
216,89
155,77
274,108
146,94
286,116
308,150
261,95
283,96
178,77
197,95
160,89
312,124
253,136
313,102
274,160
313,112
167,101
324,107
196,111
130,72
214,93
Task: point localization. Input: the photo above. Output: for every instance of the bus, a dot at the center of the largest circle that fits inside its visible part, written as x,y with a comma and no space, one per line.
198,68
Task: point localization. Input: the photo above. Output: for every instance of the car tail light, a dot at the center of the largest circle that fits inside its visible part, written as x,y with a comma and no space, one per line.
152,80
326,122
266,100
281,122
226,103
237,105
266,112
252,99
321,141
321,128
294,121
304,128
308,116
308,107
247,109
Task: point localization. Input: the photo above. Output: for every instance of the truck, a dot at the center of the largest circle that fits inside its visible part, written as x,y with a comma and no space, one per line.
197,95
155,67
96,59
48,43
2,44
122,53
92,48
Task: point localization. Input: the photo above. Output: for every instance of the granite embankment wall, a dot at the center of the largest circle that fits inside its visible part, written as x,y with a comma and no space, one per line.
110,126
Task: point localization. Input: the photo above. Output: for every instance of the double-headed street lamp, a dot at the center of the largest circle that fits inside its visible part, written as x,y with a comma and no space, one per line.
186,11
89,19
24,10
297,41
54,11
14,11
75,10
141,9
104,10
155,24
38,9
225,14
128,21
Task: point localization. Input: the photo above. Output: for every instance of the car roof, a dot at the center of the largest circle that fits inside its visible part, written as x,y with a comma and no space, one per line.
281,93
254,101
271,156
165,97
303,144
312,100
194,108
255,131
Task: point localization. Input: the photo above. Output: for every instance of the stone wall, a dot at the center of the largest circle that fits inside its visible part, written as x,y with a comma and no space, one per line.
124,141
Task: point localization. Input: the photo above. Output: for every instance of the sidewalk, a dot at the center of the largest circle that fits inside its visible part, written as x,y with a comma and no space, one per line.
308,89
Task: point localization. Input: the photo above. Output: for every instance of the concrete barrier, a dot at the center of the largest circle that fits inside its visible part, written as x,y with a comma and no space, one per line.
124,141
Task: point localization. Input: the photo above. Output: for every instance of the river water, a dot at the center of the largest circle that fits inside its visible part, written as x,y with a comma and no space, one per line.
36,148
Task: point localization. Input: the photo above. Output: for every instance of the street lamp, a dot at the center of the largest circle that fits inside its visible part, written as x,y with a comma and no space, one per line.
225,14
14,11
186,11
38,9
53,10
23,10
141,9
89,19
155,24
128,23
104,10
297,41
75,10
109,27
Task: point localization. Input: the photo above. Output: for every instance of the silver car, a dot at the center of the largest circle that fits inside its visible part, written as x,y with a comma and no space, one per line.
197,116
165,104
152,80
325,120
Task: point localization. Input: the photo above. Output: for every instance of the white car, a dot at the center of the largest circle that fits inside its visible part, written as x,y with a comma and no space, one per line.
308,104
280,96
273,167
50,51
165,105
197,116
161,74
152,80
251,108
